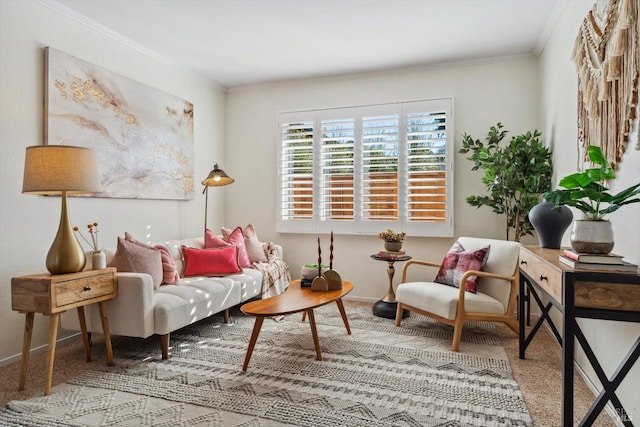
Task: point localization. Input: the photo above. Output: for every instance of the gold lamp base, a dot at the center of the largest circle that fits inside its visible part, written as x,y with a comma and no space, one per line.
66,254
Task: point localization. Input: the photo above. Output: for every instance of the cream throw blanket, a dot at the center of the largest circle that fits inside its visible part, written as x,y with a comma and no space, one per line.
275,272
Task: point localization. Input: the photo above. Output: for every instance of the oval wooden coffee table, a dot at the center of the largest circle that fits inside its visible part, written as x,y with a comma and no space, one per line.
295,299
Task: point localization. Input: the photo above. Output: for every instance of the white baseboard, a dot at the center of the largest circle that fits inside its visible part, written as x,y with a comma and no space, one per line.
41,349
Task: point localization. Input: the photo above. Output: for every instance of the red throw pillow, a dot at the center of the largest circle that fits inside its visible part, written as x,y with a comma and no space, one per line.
457,262
236,238
210,262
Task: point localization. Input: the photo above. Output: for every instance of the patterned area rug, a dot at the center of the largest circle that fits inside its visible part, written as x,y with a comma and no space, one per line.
378,376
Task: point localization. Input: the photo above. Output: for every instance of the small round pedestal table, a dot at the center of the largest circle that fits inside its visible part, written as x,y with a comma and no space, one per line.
386,307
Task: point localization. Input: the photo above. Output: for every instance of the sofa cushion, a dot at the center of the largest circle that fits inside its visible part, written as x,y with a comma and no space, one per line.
170,275
212,240
255,248
457,262
236,238
134,258
210,261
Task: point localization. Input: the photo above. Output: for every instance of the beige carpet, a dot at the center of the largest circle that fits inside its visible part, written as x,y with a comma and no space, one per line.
538,375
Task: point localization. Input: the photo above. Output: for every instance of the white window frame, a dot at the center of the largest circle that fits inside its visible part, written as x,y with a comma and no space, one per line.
316,225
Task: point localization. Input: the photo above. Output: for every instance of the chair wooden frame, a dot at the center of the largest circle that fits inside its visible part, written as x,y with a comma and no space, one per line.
461,314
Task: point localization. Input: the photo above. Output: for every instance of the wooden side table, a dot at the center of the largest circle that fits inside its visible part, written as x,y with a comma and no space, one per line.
386,307
54,294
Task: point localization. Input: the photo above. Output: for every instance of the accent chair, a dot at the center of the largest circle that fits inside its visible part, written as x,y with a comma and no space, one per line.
495,295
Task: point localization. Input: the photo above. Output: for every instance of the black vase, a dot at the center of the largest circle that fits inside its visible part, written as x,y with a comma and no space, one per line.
550,222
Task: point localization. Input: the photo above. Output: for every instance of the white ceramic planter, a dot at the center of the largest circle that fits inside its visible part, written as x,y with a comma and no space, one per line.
592,237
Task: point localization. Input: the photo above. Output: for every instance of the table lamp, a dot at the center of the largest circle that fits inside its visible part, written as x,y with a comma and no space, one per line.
62,169
217,177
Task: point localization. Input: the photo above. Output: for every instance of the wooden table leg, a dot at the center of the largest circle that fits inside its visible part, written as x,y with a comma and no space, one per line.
85,336
252,342
344,315
26,348
53,334
105,330
314,333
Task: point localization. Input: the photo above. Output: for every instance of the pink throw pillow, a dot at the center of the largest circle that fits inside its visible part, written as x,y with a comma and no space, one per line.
135,258
170,275
169,266
457,262
211,240
210,262
255,248
236,238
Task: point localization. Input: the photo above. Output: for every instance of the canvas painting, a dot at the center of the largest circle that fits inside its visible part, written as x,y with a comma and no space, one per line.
143,137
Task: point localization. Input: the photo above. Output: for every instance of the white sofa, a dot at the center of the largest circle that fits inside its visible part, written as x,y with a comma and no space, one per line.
139,311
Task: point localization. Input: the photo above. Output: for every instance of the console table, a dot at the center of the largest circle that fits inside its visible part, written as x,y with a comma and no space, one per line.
54,294
591,294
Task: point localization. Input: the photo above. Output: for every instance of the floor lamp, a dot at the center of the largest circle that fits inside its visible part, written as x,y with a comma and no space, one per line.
63,170
217,178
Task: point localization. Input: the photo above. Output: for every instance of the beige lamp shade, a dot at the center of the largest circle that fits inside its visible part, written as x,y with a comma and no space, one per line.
216,178
62,169
53,169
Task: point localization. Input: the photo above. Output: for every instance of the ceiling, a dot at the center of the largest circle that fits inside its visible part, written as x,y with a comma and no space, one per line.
245,42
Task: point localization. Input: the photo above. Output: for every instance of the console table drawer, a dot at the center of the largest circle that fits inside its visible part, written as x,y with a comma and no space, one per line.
547,277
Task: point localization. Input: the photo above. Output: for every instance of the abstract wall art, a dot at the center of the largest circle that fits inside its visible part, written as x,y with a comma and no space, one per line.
143,137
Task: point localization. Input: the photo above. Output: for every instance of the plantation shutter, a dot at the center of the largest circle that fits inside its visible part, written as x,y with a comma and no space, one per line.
360,170
380,166
296,166
337,169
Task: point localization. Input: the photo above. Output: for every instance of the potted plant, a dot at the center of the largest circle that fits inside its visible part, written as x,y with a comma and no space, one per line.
586,192
515,175
392,240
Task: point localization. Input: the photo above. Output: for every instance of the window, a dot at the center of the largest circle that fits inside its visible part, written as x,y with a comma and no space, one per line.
359,170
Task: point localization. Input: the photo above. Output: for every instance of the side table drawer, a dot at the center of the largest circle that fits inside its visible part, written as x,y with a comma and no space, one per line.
83,289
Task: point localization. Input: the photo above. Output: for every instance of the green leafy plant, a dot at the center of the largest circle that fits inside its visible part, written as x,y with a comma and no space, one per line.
515,175
586,190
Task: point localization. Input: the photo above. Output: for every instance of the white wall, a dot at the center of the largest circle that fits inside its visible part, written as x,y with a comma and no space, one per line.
28,223
610,340
483,94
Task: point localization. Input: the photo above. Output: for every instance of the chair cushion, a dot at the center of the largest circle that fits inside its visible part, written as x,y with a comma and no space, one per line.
442,300
458,261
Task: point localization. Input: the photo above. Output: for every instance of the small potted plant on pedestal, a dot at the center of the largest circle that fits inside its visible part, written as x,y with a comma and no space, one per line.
392,240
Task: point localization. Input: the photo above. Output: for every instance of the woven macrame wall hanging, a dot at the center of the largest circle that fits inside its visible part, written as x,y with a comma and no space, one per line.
606,58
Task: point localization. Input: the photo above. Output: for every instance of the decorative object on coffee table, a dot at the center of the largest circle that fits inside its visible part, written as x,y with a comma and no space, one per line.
63,170
329,279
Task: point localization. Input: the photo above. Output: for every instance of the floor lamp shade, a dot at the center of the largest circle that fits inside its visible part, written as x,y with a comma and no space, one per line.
216,178
63,170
